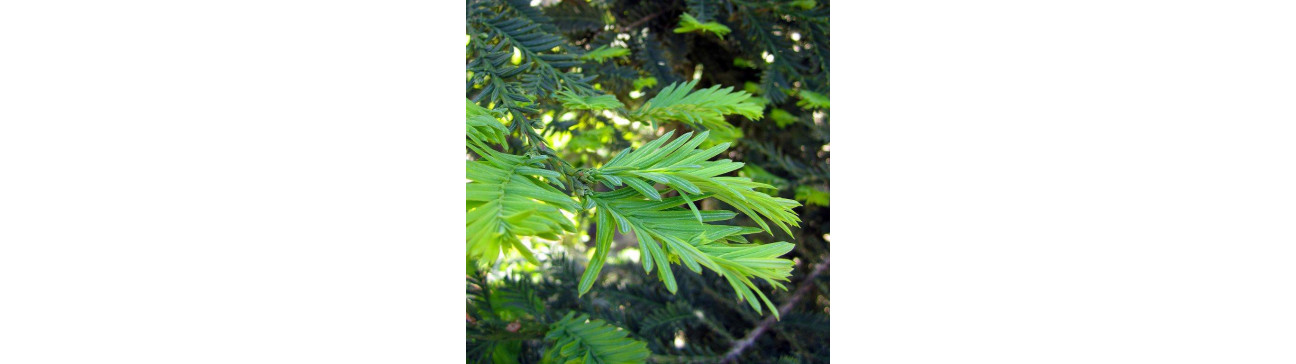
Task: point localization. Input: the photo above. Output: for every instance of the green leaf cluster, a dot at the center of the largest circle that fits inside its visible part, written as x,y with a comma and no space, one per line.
812,195
506,197
573,101
812,100
577,340
669,233
549,161
689,24
705,108
603,53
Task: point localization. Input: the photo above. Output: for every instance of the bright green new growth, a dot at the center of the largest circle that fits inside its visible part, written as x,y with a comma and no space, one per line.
782,118
690,24
812,195
552,86
682,167
506,200
483,126
578,340
704,108
640,83
668,233
572,101
812,100
603,53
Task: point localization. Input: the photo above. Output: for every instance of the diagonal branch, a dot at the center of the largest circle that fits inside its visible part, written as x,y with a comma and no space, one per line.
641,21
755,333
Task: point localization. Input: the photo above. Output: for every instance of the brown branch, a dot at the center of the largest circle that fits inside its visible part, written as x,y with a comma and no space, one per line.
755,333
623,29
641,21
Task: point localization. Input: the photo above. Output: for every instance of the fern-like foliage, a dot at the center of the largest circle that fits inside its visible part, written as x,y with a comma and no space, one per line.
667,232
547,159
577,340
516,24
674,316
572,101
507,200
704,108
684,168
690,24
670,234
547,62
604,53
483,126
812,100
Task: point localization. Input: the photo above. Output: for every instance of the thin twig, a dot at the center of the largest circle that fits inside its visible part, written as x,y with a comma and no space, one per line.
755,333
641,21
623,29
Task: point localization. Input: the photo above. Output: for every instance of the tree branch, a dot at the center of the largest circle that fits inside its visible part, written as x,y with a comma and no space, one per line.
623,29
755,333
641,21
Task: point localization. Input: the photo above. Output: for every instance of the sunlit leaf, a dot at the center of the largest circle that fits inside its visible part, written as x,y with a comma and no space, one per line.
689,24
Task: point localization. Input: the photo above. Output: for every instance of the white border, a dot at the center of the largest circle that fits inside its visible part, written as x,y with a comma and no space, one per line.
231,182
1064,182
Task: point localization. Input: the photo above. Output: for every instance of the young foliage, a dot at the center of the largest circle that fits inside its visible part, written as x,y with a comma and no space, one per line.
483,126
603,53
642,82
704,108
547,159
668,233
812,100
690,24
682,167
577,340
507,200
572,101
812,195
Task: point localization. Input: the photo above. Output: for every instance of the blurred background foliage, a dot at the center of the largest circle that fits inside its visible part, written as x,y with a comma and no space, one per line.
521,54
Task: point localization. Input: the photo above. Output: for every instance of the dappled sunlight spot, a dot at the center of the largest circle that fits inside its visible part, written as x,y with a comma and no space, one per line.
629,254
559,140
616,119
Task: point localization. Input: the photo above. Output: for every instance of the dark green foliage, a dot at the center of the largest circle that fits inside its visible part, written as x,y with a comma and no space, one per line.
577,339
707,319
